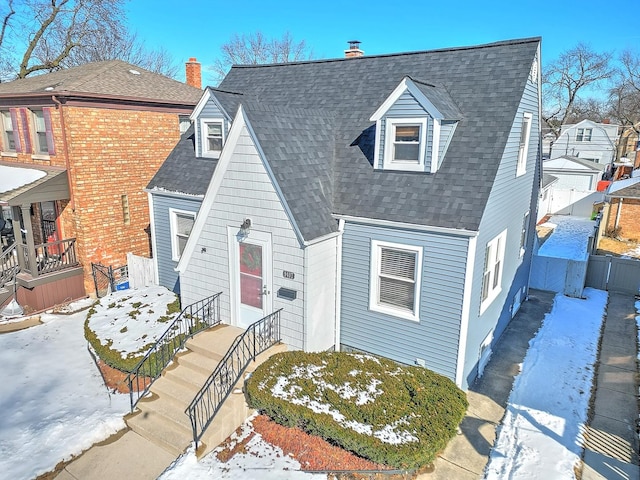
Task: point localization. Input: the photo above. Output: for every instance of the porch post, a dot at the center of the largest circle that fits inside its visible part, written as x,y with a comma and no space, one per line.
17,237
31,246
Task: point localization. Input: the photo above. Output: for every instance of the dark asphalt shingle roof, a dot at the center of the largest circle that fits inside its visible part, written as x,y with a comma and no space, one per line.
441,99
312,121
111,78
632,191
182,172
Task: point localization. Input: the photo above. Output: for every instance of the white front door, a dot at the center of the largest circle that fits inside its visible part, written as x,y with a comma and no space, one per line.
250,277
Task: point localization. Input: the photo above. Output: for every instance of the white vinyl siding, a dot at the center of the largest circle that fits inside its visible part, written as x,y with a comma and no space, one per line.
523,150
395,279
493,266
181,225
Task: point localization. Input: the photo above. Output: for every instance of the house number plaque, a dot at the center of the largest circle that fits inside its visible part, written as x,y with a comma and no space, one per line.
289,275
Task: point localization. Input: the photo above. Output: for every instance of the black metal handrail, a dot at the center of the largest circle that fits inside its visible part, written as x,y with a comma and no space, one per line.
245,348
9,266
192,319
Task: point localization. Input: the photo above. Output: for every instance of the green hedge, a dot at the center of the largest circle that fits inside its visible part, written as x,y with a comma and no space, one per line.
426,406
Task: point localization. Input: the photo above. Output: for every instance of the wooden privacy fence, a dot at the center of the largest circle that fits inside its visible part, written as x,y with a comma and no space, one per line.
615,274
141,271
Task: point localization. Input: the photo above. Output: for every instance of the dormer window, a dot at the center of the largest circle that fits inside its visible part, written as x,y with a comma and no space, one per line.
405,148
212,132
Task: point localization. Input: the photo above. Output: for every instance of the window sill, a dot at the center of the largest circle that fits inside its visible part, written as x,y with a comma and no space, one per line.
40,156
489,300
213,155
9,154
395,313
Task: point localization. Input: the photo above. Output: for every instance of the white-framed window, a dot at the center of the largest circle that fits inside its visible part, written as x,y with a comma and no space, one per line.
41,144
492,273
405,144
8,132
181,224
583,134
395,279
212,135
524,235
523,147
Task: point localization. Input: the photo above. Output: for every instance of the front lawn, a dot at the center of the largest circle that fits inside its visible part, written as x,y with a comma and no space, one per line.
401,416
122,326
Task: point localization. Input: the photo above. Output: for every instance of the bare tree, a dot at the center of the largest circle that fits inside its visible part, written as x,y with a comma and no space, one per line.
255,48
624,97
46,35
565,80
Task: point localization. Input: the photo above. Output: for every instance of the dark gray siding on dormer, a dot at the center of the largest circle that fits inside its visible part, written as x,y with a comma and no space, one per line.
167,276
210,110
435,337
407,107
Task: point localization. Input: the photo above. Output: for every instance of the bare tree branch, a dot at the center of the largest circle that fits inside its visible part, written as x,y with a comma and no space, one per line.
254,49
5,21
565,80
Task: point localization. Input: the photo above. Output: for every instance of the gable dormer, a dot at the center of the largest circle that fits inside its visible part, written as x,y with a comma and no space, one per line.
414,126
212,123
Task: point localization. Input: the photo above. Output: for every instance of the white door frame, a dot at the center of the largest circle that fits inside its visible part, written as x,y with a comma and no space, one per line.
255,237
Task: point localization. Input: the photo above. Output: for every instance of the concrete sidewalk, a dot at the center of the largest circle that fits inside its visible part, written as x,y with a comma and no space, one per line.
611,440
467,454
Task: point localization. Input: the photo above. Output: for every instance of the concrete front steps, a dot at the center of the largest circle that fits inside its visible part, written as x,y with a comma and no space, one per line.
161,417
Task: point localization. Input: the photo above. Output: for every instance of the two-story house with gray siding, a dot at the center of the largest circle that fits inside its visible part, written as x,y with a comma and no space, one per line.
382,202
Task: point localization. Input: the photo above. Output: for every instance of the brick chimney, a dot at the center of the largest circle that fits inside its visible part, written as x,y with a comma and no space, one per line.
194,73
354,49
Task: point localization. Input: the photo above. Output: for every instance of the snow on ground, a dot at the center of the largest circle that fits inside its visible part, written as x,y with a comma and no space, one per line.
132,318
547,408
633,253
569,239
259,460
53,401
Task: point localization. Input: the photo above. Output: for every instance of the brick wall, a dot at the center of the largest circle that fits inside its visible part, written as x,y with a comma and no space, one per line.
629,217
114,153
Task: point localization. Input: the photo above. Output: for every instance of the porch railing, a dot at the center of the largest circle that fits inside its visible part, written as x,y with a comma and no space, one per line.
9,265
51,257
246,347
192,319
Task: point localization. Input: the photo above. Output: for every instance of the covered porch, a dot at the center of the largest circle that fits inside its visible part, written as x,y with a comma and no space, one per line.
43,264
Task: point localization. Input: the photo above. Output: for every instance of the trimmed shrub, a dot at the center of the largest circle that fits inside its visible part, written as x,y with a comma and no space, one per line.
401,416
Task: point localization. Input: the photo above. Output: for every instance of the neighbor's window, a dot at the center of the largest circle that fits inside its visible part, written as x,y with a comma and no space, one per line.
181,225
523,148
395,279
493,266
405,144
40,133
212,137
583,135
8,132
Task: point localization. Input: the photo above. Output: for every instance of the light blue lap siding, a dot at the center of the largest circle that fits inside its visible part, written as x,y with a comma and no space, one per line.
407,107
210,110
435,337
167,276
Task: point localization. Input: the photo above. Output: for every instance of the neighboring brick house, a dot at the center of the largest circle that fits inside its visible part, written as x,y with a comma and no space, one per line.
93,136
622,210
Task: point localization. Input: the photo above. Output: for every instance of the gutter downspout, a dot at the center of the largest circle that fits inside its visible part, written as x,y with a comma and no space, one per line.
65,148
338,294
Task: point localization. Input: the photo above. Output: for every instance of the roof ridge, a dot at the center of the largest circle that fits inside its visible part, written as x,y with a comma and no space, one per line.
397,54
91,75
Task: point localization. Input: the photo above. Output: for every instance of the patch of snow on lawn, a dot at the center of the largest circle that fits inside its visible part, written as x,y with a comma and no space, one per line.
129,318
569,239
633,253
547,408
286,389
259,460
54,403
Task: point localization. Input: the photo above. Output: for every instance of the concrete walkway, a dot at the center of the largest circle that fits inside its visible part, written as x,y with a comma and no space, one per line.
611,440
467,454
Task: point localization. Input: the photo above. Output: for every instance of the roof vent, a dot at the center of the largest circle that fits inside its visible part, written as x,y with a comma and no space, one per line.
134,72
354,49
